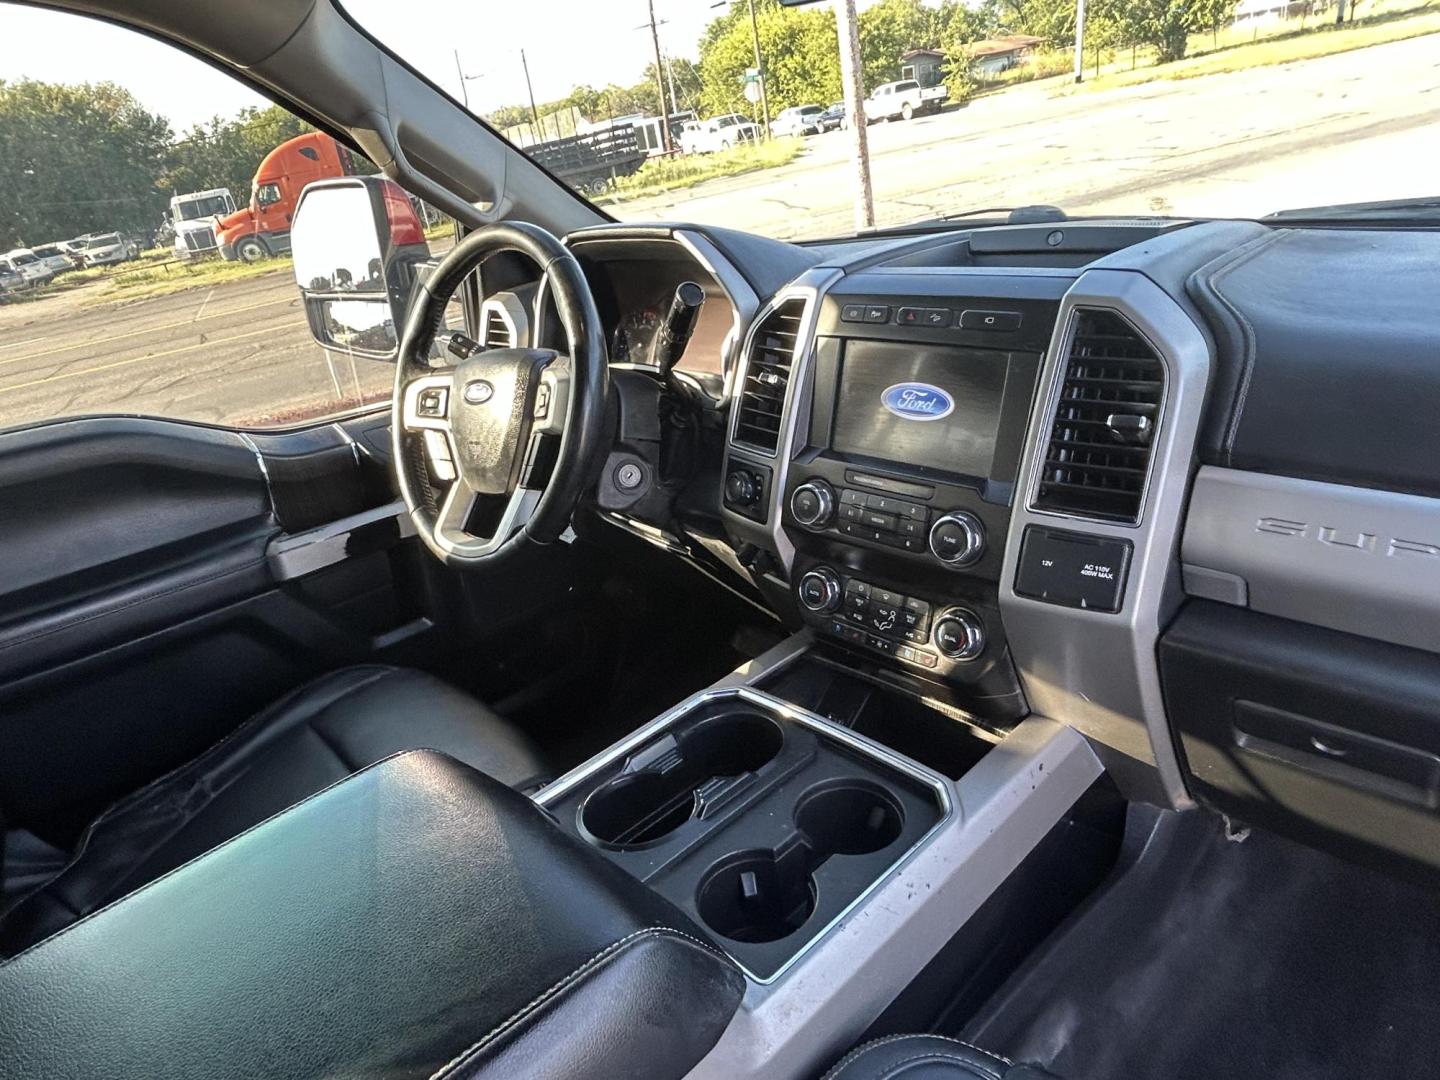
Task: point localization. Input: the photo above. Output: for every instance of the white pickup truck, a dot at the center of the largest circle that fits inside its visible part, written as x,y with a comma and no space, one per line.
903,100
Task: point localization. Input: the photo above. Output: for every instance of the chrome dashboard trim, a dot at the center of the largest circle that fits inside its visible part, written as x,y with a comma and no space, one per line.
934,781
1053,393
810,287
1094,671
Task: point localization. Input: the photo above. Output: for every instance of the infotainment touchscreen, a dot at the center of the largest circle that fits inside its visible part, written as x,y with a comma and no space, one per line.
920,405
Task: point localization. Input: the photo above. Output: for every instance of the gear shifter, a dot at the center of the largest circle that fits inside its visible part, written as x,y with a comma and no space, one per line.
674,333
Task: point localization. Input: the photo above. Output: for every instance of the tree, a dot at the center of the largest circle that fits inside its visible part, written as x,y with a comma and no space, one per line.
800,48
888,30
226,153
76,159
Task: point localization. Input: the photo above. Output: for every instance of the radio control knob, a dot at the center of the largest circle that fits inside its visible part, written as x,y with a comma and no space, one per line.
959,634
819,590
957,538
812,504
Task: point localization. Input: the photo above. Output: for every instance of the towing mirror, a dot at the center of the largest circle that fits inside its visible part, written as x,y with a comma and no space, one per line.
358,248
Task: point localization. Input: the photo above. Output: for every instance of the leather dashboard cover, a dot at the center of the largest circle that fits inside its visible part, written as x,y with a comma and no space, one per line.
1327,342
415,919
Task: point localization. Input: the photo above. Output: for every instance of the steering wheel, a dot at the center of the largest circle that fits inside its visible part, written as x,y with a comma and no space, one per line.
490,424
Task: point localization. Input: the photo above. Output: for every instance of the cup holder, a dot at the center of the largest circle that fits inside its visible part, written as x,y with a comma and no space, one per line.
753,896
849,817
641,807
766,895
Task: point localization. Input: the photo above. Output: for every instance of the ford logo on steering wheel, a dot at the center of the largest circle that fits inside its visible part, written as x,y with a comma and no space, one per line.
917,401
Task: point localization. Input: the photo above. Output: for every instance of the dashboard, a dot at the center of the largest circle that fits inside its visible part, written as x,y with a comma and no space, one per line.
1165,482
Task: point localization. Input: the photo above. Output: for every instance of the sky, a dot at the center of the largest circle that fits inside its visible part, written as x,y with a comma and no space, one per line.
567,43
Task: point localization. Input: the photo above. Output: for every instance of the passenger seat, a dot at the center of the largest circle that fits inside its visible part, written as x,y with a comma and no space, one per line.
929,1057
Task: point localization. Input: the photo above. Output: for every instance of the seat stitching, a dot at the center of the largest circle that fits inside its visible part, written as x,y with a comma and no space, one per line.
861,1049
938,1055
569,980
848,1058
218,847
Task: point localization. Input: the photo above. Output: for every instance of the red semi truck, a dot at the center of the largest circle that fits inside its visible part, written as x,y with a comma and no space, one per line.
263,228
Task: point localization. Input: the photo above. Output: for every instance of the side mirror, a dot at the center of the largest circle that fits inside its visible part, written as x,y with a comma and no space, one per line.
358,248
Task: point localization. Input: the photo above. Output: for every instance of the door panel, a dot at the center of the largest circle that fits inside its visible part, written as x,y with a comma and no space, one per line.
144,611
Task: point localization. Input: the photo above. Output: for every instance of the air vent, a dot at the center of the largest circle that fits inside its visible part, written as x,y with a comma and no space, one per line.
767,374
1098,454
498,334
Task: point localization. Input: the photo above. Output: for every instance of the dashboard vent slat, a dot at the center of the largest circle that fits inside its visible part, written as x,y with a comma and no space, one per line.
497,333
1097,455
767,376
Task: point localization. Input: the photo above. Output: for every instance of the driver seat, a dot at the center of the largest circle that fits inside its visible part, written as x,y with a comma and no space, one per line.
311,738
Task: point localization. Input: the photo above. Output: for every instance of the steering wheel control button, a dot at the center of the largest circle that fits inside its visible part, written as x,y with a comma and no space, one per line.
442,465
812,504
957,538
1073,569
478,391
431,402
959,634
542,402
820,590
995,321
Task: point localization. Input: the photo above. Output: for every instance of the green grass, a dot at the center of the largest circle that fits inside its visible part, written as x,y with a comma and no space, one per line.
139,281
1241,48
659,175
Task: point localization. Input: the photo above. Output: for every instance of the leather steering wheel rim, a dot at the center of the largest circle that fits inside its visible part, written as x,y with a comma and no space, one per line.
481,456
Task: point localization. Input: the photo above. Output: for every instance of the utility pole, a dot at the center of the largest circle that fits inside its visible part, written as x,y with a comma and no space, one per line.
660,81
464,90
850,79
1079,41
534,112
760,67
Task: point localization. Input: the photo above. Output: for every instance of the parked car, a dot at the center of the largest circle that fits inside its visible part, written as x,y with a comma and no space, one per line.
103,249
32,271
902,100
798,120
832,118
56,257
10,281
718,133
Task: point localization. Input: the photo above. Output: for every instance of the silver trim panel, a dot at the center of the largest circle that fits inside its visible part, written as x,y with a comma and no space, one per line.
830,730
1352,559
810,287
1095,671
303,553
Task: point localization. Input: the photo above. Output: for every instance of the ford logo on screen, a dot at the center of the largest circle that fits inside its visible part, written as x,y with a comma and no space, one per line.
917,401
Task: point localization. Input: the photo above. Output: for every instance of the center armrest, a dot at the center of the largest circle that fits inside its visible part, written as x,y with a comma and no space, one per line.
415,919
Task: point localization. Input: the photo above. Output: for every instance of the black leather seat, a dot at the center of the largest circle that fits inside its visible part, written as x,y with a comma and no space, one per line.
929,1057
308,740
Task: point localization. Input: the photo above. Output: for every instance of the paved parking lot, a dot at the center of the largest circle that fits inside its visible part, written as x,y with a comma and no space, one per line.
1357,125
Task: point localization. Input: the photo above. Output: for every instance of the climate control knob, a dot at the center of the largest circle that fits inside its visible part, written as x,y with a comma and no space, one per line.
819,590
959,634
812,504
957,538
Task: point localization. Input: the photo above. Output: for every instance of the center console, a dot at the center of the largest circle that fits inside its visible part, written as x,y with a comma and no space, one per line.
909,422
763,823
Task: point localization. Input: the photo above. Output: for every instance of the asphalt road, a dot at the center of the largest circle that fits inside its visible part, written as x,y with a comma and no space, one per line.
1357,125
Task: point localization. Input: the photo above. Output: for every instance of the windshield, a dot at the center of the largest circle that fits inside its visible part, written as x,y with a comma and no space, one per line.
207,207
1228,108
109,240
23,260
